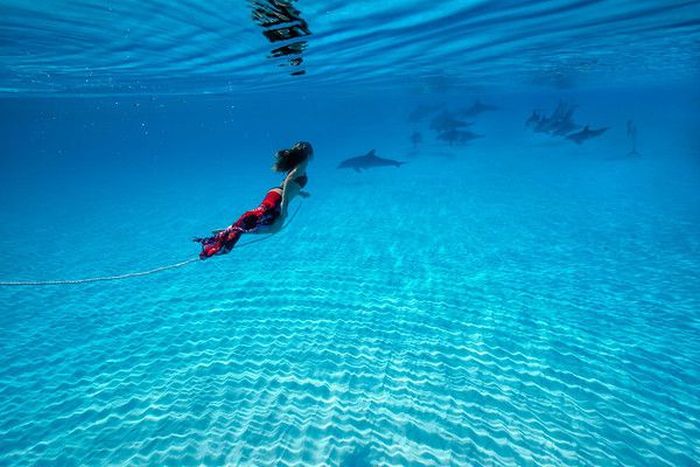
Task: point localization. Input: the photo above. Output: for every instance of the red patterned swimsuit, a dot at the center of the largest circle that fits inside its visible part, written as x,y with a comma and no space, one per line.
255,219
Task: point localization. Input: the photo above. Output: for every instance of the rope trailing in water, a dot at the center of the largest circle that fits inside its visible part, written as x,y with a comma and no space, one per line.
131,274
98,279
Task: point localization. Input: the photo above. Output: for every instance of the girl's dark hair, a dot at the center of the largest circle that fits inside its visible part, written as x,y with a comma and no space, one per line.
288,159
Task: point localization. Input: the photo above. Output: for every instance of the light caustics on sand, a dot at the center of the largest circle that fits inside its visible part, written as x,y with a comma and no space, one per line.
129,275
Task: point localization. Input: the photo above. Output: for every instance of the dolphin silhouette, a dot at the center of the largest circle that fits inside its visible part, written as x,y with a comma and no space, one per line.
477,108
632,134
458,136
585,134
368,161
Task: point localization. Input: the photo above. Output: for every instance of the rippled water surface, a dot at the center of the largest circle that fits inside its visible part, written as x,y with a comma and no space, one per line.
85,47
523,290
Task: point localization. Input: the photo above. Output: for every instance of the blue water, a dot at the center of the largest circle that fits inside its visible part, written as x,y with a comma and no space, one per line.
520,299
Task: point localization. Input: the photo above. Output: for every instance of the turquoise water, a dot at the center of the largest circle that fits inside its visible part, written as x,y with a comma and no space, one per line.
518,299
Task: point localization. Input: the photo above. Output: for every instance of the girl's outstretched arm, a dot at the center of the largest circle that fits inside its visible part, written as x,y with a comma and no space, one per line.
290,187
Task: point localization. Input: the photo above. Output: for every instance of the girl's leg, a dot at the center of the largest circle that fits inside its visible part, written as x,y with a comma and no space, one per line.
220,243
224,241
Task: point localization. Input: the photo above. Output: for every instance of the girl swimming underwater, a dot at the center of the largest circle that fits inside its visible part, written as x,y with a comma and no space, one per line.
270,215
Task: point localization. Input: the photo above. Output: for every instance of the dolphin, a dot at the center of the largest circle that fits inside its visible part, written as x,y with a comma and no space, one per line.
559,123
632,134
422,111
565,127
477,108
446,121
458,136
534,119
416,139
585,134
368,161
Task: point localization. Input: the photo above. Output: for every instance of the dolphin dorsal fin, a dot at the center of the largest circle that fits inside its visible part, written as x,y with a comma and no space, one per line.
372,153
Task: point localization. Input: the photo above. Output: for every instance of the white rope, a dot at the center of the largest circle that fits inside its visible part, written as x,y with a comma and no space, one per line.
130,274
97,279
